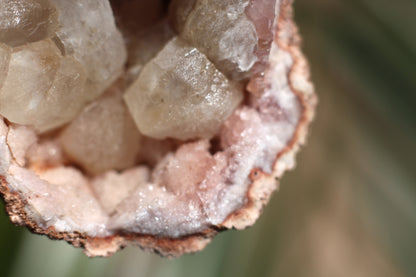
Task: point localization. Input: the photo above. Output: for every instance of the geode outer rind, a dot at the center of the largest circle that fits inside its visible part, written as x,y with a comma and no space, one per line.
258,193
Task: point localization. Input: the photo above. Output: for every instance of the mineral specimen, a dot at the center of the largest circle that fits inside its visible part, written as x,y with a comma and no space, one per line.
218,89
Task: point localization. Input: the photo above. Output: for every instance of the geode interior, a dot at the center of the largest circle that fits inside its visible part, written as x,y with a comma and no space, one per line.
146,118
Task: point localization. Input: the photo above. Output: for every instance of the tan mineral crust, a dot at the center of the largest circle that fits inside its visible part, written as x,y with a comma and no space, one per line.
127,123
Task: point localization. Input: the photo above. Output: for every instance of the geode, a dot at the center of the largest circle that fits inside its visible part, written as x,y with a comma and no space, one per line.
136,123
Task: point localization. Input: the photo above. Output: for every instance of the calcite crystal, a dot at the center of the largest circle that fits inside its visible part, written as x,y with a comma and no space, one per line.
177,86
103,136
183,135
232,36
56,56
42,88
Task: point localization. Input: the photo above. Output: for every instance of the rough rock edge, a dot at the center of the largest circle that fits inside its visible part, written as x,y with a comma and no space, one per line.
258,194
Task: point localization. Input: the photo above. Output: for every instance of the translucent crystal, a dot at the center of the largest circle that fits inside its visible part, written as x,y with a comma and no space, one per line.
55,56
42,88
146,45
23,21
103,136
5,52
262,13
88,32
180,94
221,30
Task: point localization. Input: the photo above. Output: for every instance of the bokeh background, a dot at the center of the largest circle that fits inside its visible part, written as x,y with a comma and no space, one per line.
349,208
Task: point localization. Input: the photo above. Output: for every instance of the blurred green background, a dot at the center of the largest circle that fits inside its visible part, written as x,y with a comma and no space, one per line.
349,208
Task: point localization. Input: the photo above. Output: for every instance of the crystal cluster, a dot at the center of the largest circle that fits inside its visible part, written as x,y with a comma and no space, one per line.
233,37
55,56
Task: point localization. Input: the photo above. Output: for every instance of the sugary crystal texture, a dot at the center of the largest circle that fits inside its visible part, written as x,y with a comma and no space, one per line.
221,30
173,171
55,56
180,94
103,136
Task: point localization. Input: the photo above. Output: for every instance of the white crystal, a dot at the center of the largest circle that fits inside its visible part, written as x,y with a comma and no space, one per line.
103,136
42,88
180,94
55,56
88,32
112,187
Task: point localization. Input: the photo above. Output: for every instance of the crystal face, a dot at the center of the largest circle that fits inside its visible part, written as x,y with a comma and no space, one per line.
89,33
55,57
23,21
103,136
232,36
42,88
180,94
